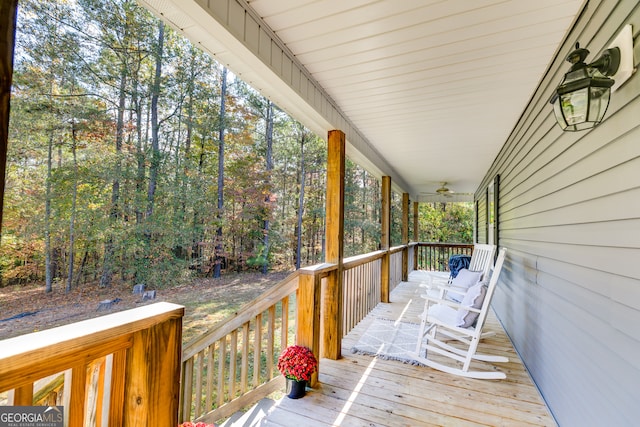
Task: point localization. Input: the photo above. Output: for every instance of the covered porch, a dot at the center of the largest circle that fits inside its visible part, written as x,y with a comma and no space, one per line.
123,369
567,205
359,390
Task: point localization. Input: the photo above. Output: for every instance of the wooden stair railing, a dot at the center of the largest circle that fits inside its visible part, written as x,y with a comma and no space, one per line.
109,365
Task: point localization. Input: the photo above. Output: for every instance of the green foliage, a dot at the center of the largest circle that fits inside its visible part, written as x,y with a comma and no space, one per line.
446,222
81,124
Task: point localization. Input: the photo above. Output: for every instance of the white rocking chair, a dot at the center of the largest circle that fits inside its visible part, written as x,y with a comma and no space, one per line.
481,261
455,322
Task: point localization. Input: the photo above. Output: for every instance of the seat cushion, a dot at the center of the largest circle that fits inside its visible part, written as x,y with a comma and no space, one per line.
442,313
473,298
464,280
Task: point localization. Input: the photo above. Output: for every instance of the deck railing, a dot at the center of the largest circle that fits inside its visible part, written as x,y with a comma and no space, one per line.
234,364
361,288
118,369
435,256
122,366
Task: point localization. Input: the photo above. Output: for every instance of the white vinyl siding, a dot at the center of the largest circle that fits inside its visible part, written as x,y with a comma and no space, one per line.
569,212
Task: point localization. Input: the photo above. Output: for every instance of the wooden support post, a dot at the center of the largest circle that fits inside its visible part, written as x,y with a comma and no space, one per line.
332,304
405,236
308,321
152,386
8,14
385,238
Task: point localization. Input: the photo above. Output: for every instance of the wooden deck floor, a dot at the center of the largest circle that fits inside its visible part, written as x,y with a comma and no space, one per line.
360,390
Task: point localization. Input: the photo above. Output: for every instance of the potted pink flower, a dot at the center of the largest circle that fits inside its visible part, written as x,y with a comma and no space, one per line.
297,364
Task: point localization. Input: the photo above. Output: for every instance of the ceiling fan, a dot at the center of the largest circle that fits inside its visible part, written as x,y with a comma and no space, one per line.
441,191
445,194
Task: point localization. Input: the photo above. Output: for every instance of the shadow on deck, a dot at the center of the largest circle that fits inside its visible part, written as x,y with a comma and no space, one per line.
359,390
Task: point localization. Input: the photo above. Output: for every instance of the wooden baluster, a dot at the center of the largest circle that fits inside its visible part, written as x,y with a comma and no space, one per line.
23,396
257,350
233,358
211,364
271,320
222,353
199,359
244,367
76,406
187,387
116,395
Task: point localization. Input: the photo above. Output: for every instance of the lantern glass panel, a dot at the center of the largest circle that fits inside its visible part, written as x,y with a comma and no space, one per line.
575,106
559,115
599,103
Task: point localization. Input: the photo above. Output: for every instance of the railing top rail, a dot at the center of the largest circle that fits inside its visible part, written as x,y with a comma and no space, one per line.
318,269
357,260
246,313
446,245
39,354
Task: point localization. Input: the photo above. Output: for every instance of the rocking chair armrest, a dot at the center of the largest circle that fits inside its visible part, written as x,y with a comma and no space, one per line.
446,288
436,281
455,289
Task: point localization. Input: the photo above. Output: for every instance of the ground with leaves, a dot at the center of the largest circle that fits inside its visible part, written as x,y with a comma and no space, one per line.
25,309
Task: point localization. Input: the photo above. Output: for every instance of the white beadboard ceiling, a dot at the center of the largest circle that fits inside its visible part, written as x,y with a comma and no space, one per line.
430,88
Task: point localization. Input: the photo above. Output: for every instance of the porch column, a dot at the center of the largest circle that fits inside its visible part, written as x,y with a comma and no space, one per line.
415,235
385,238
332,303
308,313
405,236
8,13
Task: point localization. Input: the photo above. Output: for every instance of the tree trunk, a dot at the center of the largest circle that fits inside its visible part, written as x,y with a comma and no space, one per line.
269,159
9,11
107,265
155,144
48,267
300,201
218,247
72,220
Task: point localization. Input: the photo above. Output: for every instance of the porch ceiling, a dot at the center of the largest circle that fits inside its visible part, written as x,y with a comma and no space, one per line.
430,89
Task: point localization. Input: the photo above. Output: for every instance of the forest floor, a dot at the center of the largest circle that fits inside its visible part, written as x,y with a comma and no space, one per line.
26,309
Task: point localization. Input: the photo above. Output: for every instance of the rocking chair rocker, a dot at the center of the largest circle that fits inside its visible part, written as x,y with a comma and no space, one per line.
461,324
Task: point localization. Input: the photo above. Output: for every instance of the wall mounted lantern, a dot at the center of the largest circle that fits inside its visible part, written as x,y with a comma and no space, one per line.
582,98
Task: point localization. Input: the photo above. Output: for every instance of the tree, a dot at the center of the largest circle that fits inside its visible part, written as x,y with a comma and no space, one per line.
221,131
136,157
446,222
302,137
269,164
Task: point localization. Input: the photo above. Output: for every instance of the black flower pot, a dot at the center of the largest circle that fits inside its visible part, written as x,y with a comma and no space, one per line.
296,389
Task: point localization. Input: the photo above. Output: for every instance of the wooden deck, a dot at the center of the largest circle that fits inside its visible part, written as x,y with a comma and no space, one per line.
360,390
